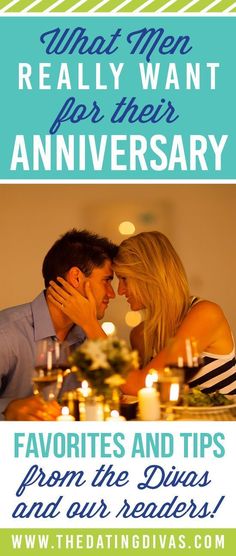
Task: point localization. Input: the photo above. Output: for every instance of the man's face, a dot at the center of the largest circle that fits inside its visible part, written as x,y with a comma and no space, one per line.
100,282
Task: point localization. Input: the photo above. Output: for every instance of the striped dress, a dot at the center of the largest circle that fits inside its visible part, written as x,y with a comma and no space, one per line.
217,373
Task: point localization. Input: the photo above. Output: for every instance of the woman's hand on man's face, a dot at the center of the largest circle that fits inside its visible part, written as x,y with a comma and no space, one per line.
80,309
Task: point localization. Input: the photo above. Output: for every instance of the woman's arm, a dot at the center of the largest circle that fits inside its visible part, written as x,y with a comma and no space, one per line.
206,323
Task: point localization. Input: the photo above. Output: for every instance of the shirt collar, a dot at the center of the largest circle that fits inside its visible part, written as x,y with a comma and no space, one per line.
43,325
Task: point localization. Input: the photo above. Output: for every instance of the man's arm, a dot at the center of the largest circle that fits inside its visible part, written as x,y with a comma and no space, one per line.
6,364
31,408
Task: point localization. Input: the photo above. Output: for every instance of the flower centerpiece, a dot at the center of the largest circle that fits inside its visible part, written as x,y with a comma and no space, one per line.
103,363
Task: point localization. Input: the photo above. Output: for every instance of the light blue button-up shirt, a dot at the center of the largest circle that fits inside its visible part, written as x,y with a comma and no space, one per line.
20,328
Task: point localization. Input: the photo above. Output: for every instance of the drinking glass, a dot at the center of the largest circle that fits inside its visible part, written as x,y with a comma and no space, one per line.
51,365
170,382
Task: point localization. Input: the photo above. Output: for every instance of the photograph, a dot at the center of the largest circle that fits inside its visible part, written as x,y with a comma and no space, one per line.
148,264
117,297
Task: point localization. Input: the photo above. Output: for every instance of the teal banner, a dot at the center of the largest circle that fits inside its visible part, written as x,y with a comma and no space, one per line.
115,98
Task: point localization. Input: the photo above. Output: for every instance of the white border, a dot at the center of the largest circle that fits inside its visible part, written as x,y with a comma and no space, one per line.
117,14
123,182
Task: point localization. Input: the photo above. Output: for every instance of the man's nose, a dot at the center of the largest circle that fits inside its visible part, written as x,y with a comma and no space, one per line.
111,292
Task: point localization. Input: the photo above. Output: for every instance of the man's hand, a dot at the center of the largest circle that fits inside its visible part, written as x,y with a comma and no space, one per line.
33,408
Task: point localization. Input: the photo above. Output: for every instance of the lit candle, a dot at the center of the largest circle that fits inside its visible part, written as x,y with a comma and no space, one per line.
57,351
154,374
189,353
174,392
115,416
49,360
149,401
85,390
65,415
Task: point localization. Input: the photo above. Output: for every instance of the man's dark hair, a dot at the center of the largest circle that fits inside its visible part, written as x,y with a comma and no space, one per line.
79,248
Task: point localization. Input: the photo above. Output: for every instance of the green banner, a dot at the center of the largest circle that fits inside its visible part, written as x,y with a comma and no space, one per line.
117,541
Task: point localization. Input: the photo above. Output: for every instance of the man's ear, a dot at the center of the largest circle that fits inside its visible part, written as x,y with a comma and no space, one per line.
75,277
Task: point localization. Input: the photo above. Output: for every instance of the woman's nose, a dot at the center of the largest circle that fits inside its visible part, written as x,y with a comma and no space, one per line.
121,288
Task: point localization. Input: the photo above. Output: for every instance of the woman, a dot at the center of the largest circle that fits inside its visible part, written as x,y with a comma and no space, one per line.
152,278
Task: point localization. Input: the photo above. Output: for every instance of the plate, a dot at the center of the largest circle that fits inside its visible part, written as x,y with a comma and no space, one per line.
128,399
206,413
206,408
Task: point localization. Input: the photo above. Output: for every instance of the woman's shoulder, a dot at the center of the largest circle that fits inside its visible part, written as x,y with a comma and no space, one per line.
206,322
206,307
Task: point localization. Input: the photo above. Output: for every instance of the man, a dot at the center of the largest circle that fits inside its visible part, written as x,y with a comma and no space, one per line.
84,260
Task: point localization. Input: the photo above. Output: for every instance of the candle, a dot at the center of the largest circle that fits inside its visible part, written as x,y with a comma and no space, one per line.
49,360
189,353
115,416
93,409
85,390
169,384
57,351
65,415
174,392
154,374
149,401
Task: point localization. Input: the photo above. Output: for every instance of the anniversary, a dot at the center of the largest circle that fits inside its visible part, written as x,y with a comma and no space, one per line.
120,152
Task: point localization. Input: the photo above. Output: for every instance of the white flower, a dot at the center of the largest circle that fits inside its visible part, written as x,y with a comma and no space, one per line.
99,362
115,381
110,355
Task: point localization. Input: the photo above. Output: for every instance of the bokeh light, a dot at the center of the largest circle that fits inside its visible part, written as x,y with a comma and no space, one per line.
133,318
109,328
126,228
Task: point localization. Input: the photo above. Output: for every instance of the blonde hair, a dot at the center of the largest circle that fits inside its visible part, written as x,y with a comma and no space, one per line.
157,278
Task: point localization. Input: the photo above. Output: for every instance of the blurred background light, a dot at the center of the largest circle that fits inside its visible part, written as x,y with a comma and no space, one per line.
126,228
109,328
133,318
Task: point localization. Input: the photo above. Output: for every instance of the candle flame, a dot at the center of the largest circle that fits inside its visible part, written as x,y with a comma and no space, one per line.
174,392
65,411
115,414
85,390
154,374
149,381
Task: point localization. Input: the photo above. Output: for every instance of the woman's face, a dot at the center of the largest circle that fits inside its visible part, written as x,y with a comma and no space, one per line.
124,288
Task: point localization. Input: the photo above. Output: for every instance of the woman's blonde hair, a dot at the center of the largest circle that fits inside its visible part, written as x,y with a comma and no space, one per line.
157,278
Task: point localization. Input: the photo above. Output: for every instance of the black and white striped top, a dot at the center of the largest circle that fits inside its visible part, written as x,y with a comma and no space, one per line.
217,373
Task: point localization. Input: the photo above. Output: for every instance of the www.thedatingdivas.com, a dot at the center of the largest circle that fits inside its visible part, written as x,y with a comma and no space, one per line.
117,541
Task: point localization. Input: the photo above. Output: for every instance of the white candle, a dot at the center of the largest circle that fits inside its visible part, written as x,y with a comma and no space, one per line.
149,402
189,353
49,360
57,351
115,416
85,390
65,415
174,392
93,409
